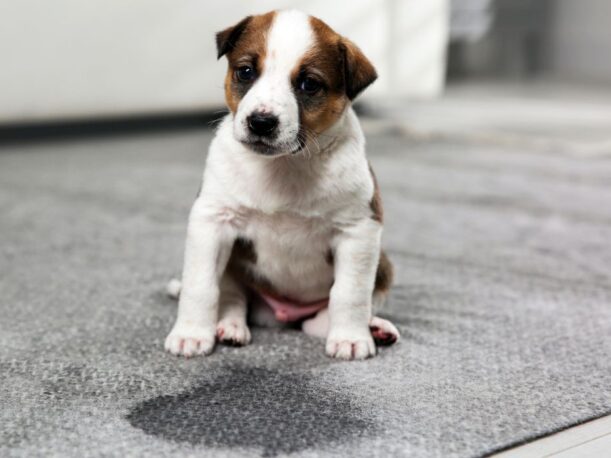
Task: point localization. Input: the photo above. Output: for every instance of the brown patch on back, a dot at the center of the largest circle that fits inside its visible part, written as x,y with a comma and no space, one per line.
384,274
244,44
376,206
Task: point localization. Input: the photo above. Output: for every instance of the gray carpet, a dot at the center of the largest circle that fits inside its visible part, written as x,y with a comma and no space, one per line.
503,297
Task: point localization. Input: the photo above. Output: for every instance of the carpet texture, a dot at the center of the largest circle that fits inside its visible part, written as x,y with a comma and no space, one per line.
503,297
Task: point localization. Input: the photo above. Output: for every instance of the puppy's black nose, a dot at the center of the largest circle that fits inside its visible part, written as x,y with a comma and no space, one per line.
262,124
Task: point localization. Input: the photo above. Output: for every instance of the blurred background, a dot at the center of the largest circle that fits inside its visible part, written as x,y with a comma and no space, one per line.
115,60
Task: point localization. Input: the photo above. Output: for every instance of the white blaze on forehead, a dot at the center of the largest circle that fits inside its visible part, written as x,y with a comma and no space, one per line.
290,37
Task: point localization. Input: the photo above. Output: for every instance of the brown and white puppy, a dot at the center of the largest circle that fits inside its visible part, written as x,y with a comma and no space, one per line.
288,222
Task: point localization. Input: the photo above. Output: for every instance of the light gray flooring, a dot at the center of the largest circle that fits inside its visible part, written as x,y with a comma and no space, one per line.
588,440
503,296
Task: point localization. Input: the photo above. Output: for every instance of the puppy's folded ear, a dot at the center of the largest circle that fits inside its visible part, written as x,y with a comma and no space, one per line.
358,70
227,39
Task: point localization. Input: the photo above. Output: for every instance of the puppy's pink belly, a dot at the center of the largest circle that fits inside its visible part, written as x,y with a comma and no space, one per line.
288,311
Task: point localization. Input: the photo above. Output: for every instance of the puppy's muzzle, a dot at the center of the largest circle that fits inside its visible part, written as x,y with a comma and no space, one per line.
262,124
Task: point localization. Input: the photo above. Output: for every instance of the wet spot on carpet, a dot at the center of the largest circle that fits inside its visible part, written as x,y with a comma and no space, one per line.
258,409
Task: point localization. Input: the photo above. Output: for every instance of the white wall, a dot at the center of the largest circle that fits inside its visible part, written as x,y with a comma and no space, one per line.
579,42
95,58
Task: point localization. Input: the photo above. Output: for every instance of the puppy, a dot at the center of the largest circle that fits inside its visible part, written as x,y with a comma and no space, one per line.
287,225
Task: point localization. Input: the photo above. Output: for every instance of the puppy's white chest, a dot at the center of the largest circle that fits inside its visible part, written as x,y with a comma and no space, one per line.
293,253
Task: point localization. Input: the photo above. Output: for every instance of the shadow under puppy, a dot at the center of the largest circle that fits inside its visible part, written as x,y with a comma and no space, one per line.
287,226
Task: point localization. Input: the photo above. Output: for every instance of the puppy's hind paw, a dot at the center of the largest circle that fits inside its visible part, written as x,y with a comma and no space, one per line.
233,332
383,331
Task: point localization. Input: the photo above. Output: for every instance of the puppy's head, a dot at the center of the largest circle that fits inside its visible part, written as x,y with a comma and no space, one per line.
290,77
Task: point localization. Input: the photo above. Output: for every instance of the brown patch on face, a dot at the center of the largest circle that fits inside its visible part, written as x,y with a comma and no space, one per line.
329,257
384,274
245,45
377,209
322,63
341,70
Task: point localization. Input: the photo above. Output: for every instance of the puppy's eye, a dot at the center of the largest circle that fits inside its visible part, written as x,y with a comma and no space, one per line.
309,85
245,73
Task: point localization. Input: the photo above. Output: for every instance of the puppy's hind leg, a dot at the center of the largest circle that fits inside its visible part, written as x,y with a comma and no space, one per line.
232,328
318,325
384,333
260,314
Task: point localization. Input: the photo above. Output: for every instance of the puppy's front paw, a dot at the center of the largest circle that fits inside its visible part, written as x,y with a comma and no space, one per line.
187,340
231,331
350,345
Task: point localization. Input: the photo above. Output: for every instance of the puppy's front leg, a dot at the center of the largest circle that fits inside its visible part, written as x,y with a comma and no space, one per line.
356,256
207,250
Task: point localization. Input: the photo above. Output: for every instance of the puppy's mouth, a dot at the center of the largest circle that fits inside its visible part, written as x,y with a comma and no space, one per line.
260,146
